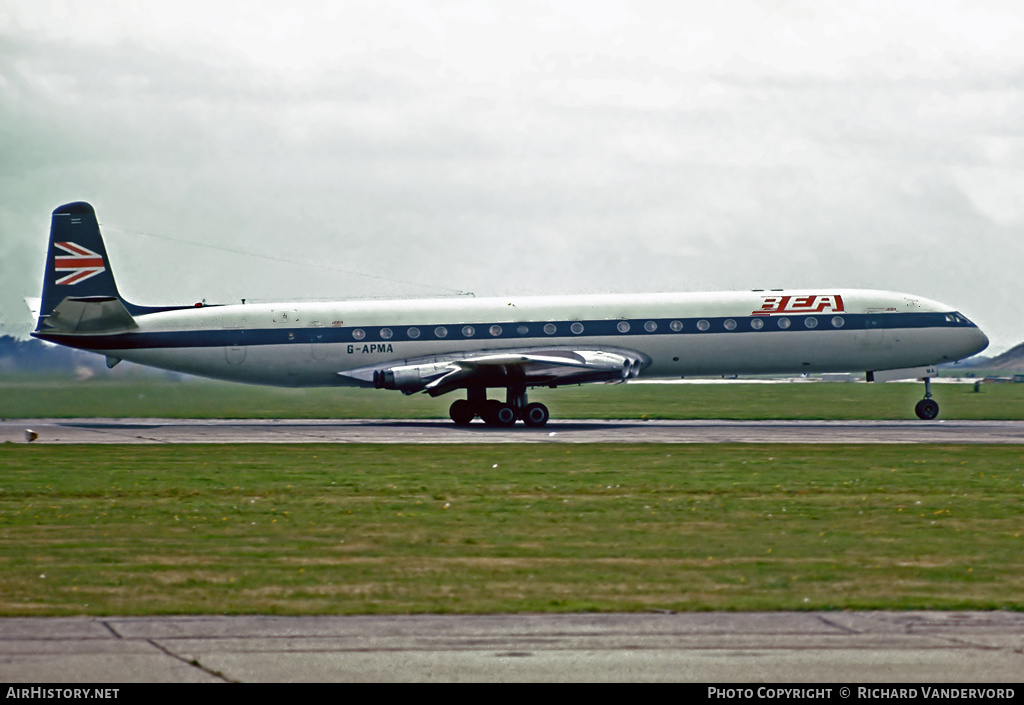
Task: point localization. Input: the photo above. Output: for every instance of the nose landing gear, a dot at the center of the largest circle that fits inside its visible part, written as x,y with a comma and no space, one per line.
927,409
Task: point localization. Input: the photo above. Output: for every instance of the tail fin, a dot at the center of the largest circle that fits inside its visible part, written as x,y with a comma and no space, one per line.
79,293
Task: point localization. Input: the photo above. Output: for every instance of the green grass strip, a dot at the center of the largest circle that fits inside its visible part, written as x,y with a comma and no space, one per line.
356,529
795,400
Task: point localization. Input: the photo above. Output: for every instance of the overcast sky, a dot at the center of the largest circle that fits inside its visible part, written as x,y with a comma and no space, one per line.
317,150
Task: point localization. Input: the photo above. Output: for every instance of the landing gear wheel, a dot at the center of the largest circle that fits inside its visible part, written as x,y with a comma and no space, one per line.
462,412
535,415
927,409
497,414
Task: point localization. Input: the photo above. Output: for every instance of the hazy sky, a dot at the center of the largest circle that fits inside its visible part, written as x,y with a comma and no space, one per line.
312,150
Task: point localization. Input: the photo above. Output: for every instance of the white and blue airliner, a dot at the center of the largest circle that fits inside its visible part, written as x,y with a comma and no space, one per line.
438,346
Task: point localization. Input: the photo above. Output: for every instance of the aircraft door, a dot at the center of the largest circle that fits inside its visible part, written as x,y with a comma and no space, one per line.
318,344
874,333
235,352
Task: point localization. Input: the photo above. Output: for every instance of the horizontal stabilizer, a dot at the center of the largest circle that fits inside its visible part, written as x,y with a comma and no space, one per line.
35,305
90,315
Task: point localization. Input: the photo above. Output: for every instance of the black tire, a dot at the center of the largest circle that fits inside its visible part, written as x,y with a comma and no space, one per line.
495,413
927,409
535,415
462,412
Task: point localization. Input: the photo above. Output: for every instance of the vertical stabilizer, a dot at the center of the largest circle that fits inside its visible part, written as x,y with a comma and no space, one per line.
76,261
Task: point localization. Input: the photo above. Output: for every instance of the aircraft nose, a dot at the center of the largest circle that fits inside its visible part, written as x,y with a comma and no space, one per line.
980,341
965,342
970,341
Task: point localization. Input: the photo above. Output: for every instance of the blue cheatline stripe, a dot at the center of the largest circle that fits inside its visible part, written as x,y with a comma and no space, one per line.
505,330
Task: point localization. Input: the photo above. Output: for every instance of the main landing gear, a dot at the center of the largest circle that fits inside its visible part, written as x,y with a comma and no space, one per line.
496,413
927,409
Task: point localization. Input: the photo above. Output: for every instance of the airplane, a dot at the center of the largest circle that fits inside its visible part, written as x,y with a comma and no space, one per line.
438,346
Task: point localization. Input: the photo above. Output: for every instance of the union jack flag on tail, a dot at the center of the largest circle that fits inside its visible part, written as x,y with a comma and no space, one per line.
80,263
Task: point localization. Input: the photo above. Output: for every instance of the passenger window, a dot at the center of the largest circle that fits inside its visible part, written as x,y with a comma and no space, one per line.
550,328
703,325
495,331
729,324
385,333
838,322
441,332
676,326
757,323
784,323
576,327
622,327
414,333
650,326
468,331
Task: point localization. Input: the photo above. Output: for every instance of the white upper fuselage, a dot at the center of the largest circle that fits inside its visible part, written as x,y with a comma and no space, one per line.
713,333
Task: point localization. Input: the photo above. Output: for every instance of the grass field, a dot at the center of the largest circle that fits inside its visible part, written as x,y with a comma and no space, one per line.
152,397
348,529
343,529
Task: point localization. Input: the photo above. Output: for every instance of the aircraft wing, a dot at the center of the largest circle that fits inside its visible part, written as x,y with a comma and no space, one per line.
529,367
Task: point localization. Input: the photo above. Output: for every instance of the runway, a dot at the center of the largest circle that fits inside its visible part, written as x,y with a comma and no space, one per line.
707,647
557,431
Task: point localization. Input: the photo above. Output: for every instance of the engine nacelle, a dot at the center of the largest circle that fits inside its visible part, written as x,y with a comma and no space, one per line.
410,378
626,366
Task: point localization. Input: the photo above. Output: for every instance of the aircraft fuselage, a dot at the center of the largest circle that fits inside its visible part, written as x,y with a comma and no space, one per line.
692,334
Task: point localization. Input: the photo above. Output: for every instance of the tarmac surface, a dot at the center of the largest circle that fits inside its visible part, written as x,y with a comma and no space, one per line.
784,647
558,431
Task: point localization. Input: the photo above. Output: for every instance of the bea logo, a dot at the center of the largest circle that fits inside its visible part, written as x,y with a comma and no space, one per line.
814,303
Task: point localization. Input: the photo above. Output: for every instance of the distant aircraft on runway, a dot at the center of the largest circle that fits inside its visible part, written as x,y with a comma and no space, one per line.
515,343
